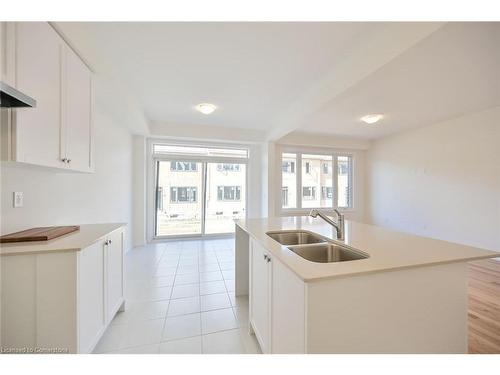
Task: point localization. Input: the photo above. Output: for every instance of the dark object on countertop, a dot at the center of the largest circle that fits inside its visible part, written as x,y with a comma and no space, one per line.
39,234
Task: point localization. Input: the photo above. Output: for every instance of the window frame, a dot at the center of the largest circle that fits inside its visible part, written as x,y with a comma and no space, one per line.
152,176
299,151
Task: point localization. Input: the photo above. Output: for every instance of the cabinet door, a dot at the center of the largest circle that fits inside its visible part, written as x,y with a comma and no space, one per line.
91,307
114,273
38,74
260,294
288,311
77,112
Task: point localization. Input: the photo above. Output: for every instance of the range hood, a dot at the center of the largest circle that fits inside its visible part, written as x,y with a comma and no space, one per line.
11,98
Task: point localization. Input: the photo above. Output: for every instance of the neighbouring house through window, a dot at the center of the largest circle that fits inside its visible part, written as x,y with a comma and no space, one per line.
309,192
229,193
185,166
181,194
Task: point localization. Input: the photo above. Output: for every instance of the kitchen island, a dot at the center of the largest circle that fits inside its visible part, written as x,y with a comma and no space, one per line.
408,294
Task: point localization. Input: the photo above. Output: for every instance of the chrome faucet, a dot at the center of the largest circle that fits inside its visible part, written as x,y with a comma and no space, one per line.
339,225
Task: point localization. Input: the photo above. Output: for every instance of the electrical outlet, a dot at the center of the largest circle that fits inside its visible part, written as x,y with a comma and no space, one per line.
18,199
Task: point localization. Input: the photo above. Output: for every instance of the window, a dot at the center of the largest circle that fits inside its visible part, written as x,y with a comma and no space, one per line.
159,198
228,193
312,167
289,180
309,192
284,196
326,192
344,181
189,177
185,166
323,181
183,194
288,167
326,168
224,167
234,153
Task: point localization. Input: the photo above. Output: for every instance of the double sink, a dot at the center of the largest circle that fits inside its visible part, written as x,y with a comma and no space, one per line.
314,247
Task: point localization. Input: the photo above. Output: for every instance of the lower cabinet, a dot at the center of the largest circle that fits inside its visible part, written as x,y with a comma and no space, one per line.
91,295
277,304
113,256
61,301
260,285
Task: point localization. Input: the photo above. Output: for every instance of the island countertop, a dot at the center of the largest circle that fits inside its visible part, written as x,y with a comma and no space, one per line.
75,241
387,249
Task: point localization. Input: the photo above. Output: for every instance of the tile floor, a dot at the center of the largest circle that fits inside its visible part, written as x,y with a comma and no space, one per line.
180,299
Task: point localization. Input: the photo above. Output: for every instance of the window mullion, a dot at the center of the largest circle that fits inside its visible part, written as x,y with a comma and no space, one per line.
335,181
298,169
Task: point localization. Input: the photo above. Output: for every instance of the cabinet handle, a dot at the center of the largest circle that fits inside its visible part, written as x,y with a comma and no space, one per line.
109,242
265,256
106,242
268,259
64,160
69,160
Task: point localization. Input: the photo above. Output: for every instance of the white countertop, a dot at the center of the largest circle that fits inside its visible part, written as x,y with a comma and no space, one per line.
388,249
87,235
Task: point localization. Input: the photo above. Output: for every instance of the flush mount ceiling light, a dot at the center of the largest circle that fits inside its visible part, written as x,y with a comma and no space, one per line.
372,119
206,108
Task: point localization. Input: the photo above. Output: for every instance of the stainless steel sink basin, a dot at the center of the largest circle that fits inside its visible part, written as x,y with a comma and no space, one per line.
295,237
327,253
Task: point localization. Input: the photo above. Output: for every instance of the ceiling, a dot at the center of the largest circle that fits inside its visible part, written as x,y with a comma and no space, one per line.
454,71
256,72
250,71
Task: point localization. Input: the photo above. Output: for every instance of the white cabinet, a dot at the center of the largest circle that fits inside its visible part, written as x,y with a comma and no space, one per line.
38,74
91,295
260,304
113,253
62,299
77,113
58,132
277,304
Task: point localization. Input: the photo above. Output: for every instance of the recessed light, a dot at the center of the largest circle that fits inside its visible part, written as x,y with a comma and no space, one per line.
206,108
372,119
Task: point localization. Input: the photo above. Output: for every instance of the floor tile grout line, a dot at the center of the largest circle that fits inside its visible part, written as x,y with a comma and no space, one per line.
222,256
171,291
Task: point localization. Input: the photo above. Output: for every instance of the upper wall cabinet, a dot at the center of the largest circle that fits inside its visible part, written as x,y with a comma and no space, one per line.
58,132
76,145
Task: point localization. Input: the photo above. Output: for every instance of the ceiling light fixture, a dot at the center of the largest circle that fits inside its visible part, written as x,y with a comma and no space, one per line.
206,108
372,119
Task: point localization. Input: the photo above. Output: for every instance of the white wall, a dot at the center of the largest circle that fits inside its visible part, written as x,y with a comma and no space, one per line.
139,190
441,181
56,198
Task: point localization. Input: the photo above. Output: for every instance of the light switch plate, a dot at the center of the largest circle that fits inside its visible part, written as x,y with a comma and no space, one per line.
18,199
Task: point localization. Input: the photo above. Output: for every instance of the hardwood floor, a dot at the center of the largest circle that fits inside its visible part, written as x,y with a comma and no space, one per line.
484,307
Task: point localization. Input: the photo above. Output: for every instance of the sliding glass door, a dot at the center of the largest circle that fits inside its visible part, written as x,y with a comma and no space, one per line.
198,197
179,200
225,196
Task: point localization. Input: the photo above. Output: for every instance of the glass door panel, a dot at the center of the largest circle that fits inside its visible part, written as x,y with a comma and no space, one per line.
179,198
225,196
